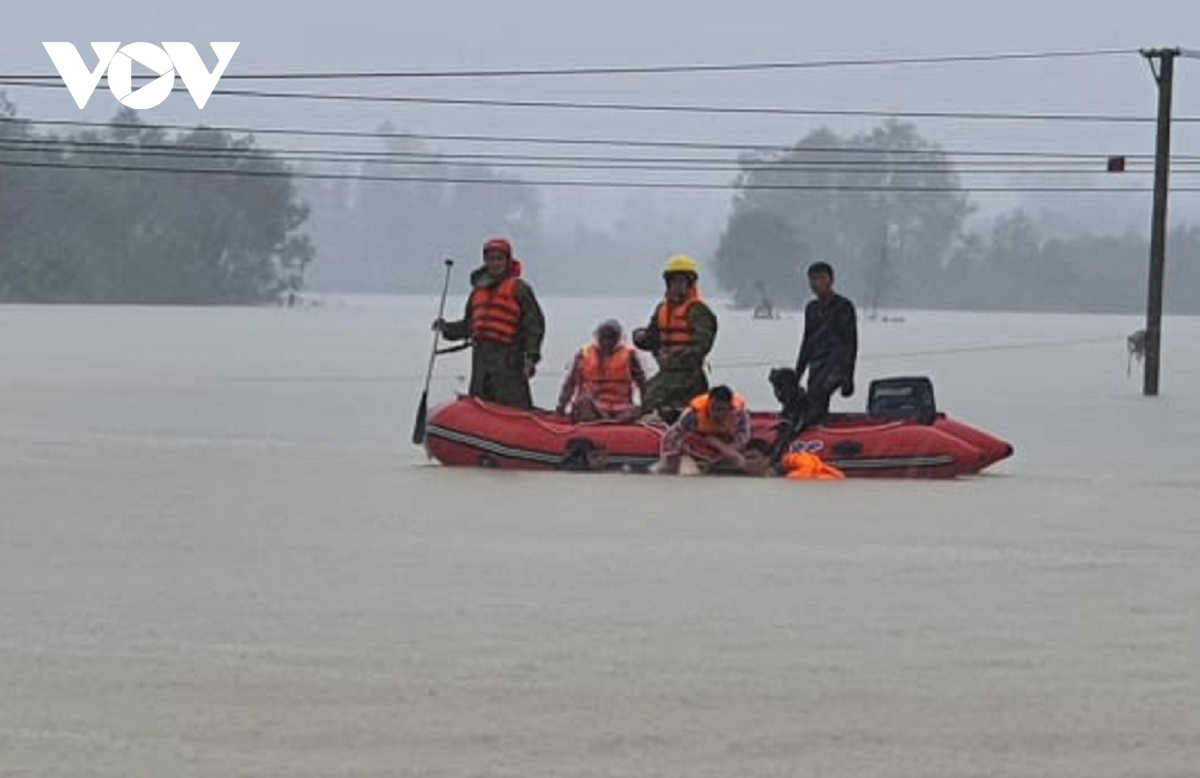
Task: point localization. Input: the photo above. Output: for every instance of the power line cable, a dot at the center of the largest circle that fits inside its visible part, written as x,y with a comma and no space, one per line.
244,172
752,365
851,167
1025,346
898,167
932,160
616,70
677,108
534,140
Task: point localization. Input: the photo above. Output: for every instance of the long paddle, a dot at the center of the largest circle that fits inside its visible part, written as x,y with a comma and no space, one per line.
418,436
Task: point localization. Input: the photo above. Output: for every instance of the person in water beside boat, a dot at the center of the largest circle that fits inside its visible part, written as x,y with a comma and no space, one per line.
680,335
505,325
602,379
715,429
829,348
765,308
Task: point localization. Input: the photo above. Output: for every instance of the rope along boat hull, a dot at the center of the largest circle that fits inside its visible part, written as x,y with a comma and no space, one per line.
471,432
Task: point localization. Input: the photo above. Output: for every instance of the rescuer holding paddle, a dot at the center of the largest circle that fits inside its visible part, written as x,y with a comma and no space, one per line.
505,325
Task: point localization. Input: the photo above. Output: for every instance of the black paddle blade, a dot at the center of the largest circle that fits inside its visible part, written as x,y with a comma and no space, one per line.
418,436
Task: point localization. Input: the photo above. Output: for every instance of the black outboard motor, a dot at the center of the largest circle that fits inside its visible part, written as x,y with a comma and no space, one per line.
907,397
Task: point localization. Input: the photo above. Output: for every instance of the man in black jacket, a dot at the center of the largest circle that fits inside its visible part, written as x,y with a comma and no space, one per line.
830,346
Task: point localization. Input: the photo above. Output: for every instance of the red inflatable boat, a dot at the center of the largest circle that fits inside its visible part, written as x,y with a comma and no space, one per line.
471,432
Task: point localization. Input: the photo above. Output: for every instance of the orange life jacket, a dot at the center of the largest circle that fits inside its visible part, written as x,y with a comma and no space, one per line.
804,465
609,381
705,425
675,330
496,312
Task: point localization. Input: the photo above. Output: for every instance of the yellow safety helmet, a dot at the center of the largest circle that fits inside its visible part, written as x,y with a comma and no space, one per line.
682,263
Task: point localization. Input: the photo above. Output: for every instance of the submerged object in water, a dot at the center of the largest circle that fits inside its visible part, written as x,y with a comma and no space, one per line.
810,467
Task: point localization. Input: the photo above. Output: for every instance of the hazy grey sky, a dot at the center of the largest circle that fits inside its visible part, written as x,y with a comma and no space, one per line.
282,36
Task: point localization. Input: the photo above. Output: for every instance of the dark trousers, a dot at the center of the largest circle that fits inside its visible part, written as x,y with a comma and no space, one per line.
801,409
821,386
498,375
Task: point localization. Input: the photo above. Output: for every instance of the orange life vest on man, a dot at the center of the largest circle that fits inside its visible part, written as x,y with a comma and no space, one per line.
701,407
496,312
608,380
674,328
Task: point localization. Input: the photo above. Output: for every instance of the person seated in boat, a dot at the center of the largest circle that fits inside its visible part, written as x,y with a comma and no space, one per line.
505,325
713,429
680,335
602,379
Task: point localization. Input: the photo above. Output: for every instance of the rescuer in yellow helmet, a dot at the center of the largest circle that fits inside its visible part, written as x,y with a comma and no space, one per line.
680,335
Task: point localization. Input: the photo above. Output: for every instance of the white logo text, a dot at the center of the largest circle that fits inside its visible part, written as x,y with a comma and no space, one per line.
118,60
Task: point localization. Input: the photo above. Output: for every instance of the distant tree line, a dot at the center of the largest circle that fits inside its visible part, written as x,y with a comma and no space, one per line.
843,200
1017,267
832,198
389,236
159,234
70,234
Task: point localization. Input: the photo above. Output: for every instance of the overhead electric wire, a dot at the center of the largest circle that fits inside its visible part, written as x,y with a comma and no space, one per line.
430,159
617,70
859,165
745,365
234,172
567,141
573,105
1024,346
930,158
678,108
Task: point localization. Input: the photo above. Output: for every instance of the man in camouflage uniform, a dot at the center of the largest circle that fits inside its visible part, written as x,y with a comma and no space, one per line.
505,325
680,336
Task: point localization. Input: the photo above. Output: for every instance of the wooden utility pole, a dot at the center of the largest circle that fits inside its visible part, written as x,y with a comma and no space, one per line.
1165,76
